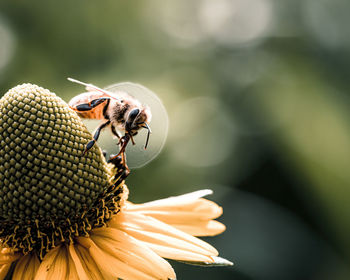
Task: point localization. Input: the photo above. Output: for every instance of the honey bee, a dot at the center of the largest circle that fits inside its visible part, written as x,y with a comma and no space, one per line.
120,111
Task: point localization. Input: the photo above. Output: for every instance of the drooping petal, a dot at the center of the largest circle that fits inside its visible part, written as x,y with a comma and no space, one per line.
57,265
132,252
26,267
165,240
110,266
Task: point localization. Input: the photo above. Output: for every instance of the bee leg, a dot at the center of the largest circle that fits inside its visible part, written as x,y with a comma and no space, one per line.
115,132
122,158
88,146
96,136
132,138
123,143
121,171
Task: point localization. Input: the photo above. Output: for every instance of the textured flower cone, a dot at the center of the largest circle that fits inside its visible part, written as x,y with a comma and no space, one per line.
65,216
49,192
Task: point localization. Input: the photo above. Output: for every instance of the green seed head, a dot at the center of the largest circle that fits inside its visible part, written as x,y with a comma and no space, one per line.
47,187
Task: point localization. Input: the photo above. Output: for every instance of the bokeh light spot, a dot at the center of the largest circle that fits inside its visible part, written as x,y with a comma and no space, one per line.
203,132
7,44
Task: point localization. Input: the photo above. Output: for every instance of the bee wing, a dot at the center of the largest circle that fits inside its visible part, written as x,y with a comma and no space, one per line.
91,87
115,92
137,92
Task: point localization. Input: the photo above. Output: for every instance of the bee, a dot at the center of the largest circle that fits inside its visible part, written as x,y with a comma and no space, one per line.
120,112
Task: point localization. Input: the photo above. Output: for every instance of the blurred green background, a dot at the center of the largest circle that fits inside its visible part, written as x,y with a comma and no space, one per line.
257,94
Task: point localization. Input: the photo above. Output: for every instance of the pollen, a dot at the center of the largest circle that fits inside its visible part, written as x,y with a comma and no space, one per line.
49,191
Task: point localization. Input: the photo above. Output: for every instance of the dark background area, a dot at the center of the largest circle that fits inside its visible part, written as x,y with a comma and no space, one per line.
257,95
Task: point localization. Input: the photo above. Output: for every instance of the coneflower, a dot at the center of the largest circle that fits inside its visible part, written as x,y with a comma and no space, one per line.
66,216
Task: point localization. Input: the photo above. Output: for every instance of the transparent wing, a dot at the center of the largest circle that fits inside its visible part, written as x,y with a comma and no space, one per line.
136,155
91,88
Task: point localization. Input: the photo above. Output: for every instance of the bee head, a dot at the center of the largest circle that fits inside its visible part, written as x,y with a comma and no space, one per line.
137,119
131,120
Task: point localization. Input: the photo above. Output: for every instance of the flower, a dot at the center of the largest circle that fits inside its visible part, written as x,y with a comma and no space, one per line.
66,216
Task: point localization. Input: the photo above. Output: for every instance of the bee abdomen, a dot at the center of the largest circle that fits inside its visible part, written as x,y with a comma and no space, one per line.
96,113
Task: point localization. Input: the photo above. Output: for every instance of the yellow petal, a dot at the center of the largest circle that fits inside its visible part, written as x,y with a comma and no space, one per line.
202,228
26,267
177,254
71,270
54,265
132,252
217,261
173,201
110,266
171,215
4,268
166,240
188,212
191,206
84,263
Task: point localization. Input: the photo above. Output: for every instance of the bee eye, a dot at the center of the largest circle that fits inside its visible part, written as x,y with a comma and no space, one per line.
131,118
133,114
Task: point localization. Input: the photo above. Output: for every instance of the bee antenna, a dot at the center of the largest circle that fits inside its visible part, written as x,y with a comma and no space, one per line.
148,134
88,87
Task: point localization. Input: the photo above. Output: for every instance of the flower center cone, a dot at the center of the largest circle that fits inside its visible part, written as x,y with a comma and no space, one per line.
49,191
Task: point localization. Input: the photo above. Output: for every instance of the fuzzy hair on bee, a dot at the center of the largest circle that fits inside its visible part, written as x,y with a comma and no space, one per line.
120,112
